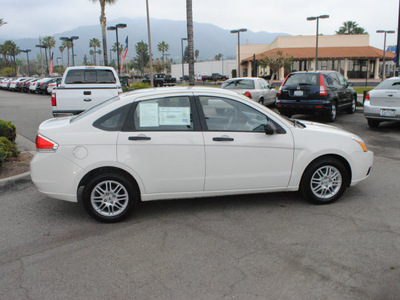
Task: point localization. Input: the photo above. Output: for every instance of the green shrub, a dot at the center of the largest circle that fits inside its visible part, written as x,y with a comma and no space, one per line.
3,156
139,85
8,130
8,148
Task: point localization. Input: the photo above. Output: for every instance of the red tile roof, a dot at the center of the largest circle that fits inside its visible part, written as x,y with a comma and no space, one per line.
327,53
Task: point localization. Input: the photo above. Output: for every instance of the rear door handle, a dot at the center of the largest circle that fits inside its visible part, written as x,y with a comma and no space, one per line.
86,93
223,139
87,99
139,138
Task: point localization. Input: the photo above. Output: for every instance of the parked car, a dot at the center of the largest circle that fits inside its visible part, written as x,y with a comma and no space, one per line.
218,77
54,84
14,83
161,79
33,87
169,143
254,88
27,84
42,88
383,102
321,92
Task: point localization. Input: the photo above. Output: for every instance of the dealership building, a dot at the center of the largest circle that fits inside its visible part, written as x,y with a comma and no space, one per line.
351,55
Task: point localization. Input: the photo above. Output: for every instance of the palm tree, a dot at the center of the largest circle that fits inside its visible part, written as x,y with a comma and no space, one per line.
103,24
218,56
189,21
94,43
114,49
351,27
196,54
163,47
2,22
11,49
62,48
68,45
49,42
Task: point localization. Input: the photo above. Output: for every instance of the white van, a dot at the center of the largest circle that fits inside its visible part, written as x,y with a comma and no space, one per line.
83,87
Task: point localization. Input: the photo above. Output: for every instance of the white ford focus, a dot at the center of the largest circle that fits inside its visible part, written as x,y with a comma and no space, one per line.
174,143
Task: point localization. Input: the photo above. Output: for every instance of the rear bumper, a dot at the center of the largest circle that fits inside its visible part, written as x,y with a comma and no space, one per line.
303,106
374,112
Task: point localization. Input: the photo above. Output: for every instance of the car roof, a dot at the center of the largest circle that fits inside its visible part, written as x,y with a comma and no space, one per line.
90,68
314,72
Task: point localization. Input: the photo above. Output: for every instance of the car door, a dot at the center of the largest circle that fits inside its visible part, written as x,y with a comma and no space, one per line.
269,94
340,90
162,143
347,90
239,154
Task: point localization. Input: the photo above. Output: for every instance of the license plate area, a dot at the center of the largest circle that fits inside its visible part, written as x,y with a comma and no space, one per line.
388,112
298,93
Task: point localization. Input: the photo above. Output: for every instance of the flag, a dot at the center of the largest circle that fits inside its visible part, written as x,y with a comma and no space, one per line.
51,64
124,53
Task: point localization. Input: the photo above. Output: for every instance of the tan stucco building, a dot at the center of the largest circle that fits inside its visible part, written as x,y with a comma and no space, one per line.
351,55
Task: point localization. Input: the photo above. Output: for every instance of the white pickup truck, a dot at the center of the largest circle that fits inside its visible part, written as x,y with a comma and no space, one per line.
83,87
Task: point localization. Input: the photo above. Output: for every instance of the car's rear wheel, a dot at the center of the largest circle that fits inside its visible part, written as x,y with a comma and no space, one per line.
109,197
332,113
352,108
373,123
261,101
324,181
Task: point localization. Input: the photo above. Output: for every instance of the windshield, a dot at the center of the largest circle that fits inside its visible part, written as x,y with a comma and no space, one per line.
94,109
393,84
238,84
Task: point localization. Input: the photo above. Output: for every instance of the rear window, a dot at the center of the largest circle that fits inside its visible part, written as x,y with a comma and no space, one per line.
389,85
239,84
303,79
90,76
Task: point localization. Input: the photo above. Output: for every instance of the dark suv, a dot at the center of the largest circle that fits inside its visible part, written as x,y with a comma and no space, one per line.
320,92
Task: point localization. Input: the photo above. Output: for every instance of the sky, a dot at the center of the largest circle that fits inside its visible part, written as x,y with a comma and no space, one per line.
27,19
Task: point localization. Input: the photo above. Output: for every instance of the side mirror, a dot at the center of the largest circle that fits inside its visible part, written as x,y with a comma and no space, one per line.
268,129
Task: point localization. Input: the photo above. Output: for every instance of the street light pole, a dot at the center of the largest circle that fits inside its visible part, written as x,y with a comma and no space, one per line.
183,70
149,38
120,25
384,51
71,39
27,57
316,42
45,54
238,31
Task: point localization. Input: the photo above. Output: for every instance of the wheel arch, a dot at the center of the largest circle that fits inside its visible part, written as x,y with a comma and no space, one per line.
101,170
343,160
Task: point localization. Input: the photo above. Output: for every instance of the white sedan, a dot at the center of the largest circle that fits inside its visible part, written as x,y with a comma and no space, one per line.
194,142
257,89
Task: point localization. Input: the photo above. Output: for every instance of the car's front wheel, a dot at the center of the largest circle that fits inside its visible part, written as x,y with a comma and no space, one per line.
324,181
261,101
109,197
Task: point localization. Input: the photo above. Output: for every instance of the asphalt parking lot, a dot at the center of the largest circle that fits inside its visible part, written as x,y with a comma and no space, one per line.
265,246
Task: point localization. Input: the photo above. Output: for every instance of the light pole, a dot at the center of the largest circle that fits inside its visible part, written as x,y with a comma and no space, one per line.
27,57
316,43
71,39
45,54
149,37
120,25
384,51
183,70
238,31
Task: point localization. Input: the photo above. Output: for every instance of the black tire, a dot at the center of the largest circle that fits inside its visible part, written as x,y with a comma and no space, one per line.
261,101
373,123
352,108
109,197
324,181
332,113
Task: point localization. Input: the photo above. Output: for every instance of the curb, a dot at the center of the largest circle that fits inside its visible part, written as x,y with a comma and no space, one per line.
10,182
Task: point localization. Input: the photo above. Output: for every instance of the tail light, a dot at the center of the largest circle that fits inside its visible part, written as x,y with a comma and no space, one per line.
247,94
45,144
119,93
322,88
41,84
283,83
53,99
367,97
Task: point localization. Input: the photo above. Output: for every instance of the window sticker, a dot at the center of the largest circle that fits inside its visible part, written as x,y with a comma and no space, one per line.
148,113
174,115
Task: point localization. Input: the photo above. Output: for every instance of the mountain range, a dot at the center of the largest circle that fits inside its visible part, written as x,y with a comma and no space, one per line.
209,39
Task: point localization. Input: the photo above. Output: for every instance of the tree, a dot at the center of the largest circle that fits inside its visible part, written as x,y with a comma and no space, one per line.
196,54
103,24
10,49
350,27
158,66
163,47
189,21
94,43
218,56
62,48
49,42
142,55
68,45
2,22
275,62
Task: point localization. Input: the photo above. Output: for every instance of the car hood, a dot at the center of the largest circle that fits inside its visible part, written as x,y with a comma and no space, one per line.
324,128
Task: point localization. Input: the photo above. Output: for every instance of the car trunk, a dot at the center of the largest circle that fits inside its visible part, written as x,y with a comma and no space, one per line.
387,98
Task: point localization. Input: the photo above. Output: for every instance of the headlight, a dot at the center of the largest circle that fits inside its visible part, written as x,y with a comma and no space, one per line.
361,143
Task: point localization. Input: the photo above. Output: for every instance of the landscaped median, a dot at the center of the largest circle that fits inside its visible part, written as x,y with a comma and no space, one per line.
8,149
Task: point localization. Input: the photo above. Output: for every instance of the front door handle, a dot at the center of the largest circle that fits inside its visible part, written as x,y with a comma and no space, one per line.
223,139
139,138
